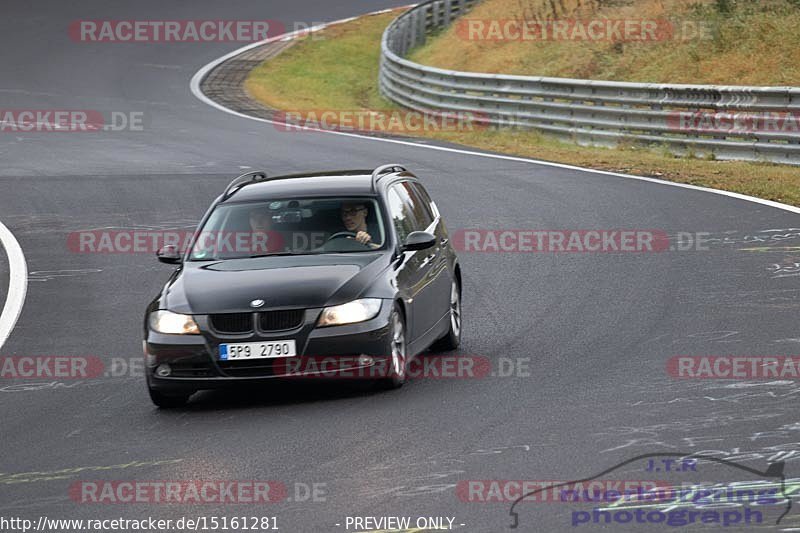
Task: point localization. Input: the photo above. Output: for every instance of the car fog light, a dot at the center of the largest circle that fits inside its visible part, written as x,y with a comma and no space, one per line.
163,371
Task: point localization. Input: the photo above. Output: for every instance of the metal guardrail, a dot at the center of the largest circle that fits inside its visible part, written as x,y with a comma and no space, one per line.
727,122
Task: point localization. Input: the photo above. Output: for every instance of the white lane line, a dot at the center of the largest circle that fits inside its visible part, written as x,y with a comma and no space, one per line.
17,283
197,79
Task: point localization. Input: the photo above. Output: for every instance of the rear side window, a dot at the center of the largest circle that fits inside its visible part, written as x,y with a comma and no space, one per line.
421,215
401,213
427,208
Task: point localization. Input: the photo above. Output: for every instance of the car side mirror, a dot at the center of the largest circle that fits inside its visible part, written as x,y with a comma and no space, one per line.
169,254
418,240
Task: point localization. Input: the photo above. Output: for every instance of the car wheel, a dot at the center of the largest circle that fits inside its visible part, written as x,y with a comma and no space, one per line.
397,348
166,401
452,339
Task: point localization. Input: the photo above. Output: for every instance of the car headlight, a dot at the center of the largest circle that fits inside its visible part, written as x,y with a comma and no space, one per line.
173,323
350,313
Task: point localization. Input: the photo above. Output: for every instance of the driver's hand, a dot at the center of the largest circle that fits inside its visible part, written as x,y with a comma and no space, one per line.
363,237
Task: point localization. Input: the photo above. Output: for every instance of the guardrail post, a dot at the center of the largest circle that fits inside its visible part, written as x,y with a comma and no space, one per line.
421,33
448,4
412,35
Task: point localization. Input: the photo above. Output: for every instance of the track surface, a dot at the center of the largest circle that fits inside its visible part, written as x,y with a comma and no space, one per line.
598,328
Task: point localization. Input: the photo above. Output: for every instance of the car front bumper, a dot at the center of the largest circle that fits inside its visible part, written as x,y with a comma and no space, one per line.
333,352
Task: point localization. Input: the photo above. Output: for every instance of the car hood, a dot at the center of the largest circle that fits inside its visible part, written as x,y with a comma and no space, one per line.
288,281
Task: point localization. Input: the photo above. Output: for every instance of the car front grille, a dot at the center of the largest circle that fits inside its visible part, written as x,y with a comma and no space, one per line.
232,322
238,323
280,320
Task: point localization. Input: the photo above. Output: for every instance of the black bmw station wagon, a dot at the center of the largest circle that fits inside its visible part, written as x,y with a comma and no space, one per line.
305,275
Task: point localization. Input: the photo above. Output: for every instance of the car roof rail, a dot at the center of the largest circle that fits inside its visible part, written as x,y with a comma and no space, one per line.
241,181
382,170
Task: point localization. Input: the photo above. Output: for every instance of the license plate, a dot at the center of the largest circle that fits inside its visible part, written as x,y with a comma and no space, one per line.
257,350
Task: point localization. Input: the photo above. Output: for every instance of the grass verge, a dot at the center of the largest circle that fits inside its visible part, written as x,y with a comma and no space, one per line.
338,70
724,42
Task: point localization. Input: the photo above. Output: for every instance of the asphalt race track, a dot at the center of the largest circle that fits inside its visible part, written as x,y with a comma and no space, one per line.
595,329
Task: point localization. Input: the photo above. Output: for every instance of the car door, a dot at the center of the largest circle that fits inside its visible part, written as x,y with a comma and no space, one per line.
440,279
412,272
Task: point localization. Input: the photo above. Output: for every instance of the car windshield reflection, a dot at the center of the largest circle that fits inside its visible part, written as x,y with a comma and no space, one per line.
294,226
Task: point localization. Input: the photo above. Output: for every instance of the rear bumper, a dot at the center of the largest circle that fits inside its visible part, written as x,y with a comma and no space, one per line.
330,352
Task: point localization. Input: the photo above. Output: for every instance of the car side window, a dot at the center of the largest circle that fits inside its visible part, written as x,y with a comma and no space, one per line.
401,213
427,207
422,217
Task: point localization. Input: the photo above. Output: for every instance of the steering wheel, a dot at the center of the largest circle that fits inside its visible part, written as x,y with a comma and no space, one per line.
342,235
349,245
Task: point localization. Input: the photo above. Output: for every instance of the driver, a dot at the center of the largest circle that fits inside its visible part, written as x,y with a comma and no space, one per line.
354,218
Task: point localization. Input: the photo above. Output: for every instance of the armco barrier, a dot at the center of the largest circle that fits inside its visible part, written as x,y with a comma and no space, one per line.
728,122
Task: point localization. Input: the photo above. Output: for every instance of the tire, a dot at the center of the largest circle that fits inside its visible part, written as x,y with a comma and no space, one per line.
452,339
397,346
167,401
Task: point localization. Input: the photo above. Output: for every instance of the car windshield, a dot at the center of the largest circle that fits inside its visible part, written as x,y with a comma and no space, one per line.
293,226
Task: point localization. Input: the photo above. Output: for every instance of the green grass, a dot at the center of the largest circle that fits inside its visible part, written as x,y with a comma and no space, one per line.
338,70
749,42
